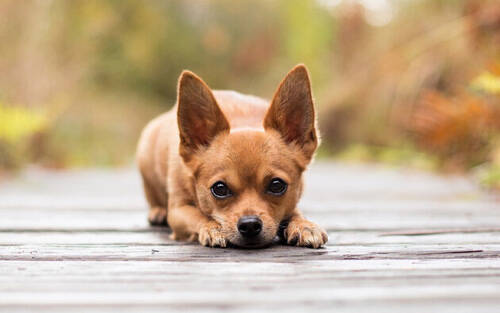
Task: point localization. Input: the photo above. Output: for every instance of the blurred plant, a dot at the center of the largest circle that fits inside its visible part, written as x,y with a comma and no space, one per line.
116,60
17,123
17,127
458,129
404,82
402,156
488,174
428,83
487,82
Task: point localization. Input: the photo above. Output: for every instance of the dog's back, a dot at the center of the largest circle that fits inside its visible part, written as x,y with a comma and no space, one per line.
242,111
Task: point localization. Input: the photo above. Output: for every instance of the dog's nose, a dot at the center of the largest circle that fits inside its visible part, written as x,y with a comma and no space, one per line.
249,226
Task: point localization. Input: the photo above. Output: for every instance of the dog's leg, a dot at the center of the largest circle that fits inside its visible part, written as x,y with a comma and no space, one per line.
158,210
188,223
303,233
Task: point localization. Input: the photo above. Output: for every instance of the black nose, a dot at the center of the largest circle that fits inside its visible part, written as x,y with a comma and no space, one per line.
249,226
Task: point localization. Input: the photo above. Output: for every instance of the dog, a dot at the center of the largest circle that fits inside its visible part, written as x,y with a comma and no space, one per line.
225,169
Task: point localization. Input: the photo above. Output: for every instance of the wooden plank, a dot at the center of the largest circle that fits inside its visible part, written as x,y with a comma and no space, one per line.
310,270
373,282
79,241
167,281
255,268
160,237
458,306
207,296
135,220
194,253
434,305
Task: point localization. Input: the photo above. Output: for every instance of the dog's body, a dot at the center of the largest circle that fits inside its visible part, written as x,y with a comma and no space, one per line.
222,167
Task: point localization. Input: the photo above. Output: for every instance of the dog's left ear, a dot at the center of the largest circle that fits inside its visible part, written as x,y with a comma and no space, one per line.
292,111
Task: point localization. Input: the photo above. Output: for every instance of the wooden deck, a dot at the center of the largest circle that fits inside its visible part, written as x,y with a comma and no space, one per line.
400,241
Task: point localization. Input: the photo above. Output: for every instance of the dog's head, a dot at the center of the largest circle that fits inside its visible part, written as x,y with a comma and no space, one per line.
249,180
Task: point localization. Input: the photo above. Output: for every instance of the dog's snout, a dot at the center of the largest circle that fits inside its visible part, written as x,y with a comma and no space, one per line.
249,226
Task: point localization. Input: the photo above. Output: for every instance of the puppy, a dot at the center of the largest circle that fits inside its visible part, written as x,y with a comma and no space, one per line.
226,168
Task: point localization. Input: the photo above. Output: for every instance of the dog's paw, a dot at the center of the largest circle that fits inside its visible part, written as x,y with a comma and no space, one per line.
157,216
303,233
210,235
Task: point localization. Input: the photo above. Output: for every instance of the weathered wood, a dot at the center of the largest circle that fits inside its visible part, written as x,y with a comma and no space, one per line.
191,253
400,241
134,220
433,305
46,283
425,232
262,271
160,237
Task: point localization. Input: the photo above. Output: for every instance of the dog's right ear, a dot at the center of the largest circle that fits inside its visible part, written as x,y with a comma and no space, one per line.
292,111
198,115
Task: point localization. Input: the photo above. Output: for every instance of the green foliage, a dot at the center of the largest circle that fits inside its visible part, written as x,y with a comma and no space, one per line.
113,65
17,128
487,82
488,175
396,156
144,45
18,123
307,31
100,56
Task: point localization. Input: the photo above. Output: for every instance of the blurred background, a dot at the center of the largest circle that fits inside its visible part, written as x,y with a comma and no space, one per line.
411,83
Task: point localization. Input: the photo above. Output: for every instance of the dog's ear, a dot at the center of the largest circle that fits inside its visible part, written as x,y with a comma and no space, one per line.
198,115
292,111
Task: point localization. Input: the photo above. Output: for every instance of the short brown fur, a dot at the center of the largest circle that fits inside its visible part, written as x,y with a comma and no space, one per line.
243,141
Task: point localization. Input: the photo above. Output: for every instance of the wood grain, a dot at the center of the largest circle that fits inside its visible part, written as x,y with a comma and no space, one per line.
400,241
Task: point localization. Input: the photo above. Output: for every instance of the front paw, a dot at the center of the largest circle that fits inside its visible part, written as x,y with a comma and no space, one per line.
210,235
303,233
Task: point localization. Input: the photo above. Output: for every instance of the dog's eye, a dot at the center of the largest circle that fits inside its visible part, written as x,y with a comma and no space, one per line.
277,187
220,190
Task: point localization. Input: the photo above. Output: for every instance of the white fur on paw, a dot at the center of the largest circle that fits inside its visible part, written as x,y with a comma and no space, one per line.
210,235
303,233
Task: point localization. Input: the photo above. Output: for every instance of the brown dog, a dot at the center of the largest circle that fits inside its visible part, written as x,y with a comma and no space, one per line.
225,168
